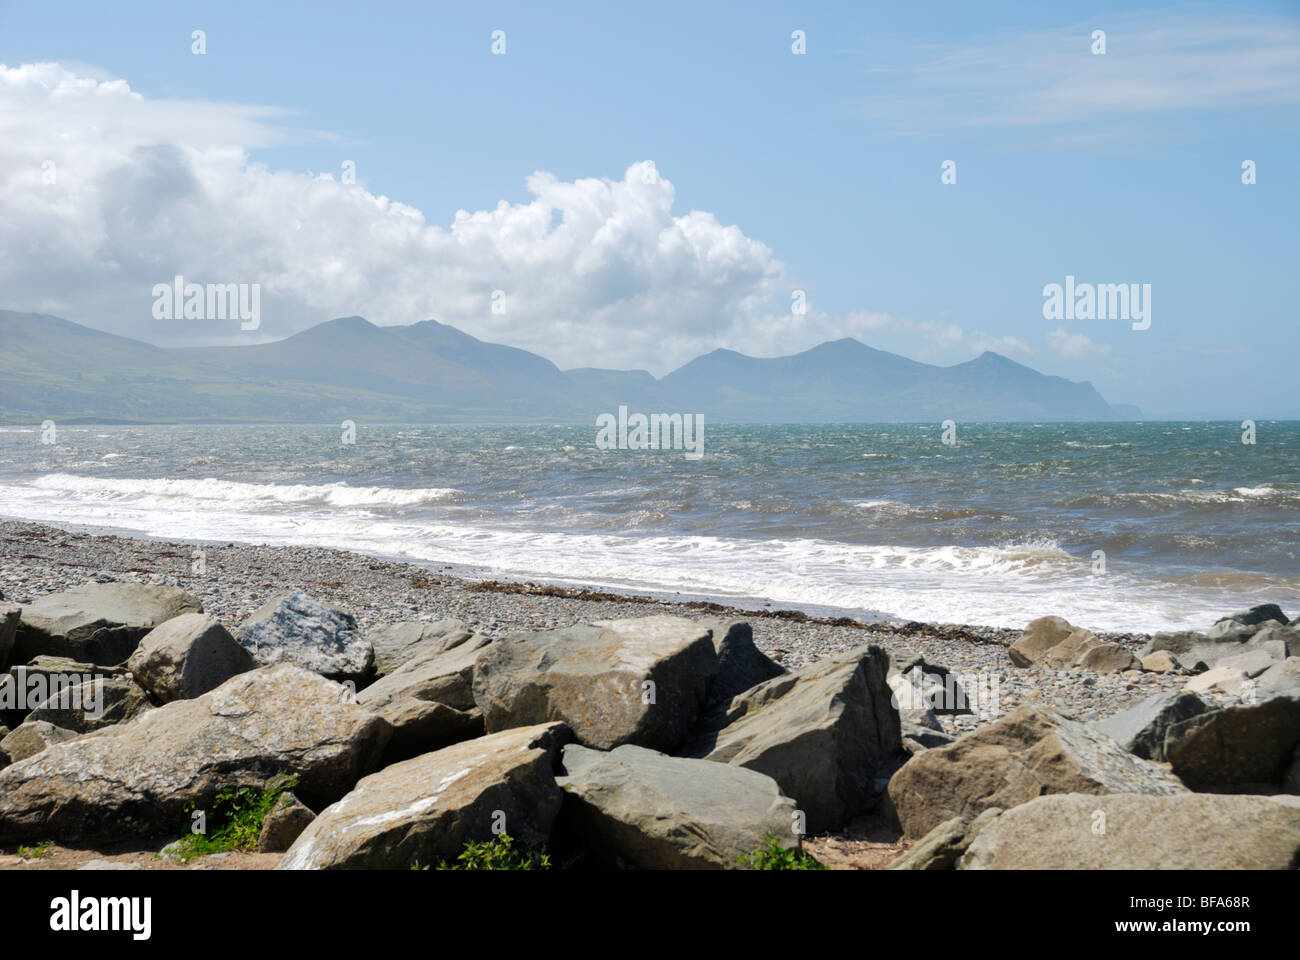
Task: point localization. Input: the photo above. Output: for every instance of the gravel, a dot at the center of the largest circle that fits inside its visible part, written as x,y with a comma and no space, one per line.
37,559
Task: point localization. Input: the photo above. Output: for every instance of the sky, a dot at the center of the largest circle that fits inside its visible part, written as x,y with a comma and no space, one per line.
630,186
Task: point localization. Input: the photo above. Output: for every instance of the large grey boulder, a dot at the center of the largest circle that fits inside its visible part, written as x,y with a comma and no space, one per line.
656,812
9,615
1141,729
97,623
295,628
93,704
641,681
826,734
396,643
1281,679
424,809
1236,745
741,665
33,737
1191,831
429,700
186,657
1030,752
137,779
1256,615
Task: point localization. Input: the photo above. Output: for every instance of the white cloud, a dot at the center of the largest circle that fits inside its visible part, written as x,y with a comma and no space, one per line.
594,271
1074,346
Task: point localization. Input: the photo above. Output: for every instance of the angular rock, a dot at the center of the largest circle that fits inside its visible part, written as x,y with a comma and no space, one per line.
1030,752
642,681
1161,661
741,665
1192,831
1226,679
1141,729
1039,637
98,623
1281,679
657,812
1194,650
1081,650
295,628
9,614
1246,744
1256,615
429,700
29,739
825,734
1251,662
186,657
284,824
942,847
396,643
1277,640
425,809
93,705
137,778
918,738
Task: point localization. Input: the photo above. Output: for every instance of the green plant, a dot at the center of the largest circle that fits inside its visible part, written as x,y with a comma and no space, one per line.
36,852
499,853
235,820
776,857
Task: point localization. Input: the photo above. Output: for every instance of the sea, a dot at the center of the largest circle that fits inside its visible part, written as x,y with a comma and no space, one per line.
1114,526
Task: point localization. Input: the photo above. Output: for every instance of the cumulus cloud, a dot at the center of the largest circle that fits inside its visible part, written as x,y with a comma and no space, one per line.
107,192
1074,346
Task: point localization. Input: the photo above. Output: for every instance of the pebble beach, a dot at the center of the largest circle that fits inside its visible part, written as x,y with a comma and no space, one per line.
236,578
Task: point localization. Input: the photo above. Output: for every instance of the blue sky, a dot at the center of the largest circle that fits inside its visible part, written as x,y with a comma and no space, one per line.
817,172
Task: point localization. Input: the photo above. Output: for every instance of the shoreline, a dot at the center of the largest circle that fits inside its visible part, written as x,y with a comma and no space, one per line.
39,558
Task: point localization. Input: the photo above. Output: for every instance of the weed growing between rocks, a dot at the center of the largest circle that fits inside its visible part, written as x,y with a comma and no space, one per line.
235,821
776,857
500,853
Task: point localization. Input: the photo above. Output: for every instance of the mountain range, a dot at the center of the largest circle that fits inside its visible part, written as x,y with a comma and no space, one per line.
431,372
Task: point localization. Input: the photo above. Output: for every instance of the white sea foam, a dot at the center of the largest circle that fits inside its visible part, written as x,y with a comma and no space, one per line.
1004,585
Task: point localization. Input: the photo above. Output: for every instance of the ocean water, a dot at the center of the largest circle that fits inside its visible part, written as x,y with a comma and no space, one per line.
870,520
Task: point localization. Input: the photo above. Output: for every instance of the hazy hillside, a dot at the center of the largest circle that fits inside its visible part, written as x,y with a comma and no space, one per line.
350,368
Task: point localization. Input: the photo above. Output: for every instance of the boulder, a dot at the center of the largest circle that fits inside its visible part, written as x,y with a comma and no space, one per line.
1281,679
9,615
1191,831
1162,661
642,681
1141,729
1256,615
1030,752
396,643
1039,637
826,734
1252,662
741,665
284,824
1225,679
93,704
942,847
1237,745
186,657
918,738
1194,650
1277,640
922,689
429,700
424,809
295,628
656,812
138,778
1081,650
29,739
98,623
